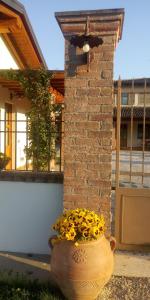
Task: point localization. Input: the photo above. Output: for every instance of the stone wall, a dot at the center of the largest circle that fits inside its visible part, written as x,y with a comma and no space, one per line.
88,129
89,110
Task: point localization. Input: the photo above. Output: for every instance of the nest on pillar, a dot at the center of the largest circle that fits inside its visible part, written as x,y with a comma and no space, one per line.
86,41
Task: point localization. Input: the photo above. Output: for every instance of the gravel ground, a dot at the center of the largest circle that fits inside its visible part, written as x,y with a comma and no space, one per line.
126,288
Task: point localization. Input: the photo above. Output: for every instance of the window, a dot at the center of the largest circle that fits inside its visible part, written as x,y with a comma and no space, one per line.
21,141
14,138
2,128
124,99
142,99
140,131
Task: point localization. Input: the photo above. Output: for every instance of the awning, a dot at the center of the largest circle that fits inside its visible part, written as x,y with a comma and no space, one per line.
57,83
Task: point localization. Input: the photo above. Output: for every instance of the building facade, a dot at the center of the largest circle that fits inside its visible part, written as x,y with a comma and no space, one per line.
16,32
135,114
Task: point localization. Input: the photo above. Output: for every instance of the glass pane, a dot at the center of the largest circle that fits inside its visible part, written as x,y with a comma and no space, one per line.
124,99
21,141
2,128
147,99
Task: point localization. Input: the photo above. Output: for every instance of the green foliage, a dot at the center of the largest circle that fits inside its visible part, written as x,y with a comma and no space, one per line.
41,126
19,287
4,160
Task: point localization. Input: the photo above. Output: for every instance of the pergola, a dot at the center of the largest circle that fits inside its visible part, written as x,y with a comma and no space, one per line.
56,86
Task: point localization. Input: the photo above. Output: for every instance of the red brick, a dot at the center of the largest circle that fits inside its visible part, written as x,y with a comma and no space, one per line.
107,74
99,117
74,83
87,125
99,166
100,83
106,108
86,190
71,141
95,100
99,183
107,142
75,133
75,198
107,47
81,92
80,204
99,134
70,92
88,128
74,117
86,173
106,91
108,40
68,205
106,65
108,56
94,92
105,158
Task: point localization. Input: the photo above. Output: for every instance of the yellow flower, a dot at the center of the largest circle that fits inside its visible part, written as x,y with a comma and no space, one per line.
76,244
79,224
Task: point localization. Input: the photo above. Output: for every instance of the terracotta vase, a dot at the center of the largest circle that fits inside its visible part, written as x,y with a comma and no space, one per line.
82,271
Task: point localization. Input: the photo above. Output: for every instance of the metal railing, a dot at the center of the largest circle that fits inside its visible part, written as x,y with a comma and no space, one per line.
14,139
131,156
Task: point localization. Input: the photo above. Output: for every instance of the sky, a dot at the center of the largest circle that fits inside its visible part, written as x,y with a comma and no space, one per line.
132,56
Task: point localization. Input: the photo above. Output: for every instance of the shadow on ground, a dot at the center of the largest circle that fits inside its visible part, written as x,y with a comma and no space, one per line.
33,266
38,267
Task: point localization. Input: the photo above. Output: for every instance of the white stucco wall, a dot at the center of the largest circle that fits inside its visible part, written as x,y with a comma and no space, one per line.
27,211
6,59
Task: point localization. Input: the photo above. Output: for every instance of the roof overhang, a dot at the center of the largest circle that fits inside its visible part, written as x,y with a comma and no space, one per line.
137,82
56,83
18,35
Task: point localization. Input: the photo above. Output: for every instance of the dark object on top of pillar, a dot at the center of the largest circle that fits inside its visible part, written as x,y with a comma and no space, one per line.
94,22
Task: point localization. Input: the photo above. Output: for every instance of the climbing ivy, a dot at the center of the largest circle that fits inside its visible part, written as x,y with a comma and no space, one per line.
41,126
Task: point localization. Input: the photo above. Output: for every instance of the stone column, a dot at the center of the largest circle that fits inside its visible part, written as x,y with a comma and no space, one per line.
88,113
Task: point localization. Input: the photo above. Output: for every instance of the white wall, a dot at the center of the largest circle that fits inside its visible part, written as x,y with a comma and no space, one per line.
6,59
19,106
27,211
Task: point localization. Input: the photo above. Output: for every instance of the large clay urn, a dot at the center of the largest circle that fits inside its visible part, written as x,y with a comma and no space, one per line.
82,271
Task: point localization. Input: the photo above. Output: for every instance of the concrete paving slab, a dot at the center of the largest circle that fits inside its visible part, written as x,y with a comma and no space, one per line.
132,264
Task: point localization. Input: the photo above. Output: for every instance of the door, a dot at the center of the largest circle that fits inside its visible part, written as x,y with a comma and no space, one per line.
123,136
8,133
132,218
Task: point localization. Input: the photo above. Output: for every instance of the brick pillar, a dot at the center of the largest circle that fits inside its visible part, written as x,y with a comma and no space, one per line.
88,111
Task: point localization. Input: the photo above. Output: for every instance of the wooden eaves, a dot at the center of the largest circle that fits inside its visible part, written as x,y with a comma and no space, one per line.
57,85
18,35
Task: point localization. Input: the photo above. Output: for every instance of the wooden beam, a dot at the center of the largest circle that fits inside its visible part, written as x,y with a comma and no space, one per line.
7,11
58,96
17,36
9,25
